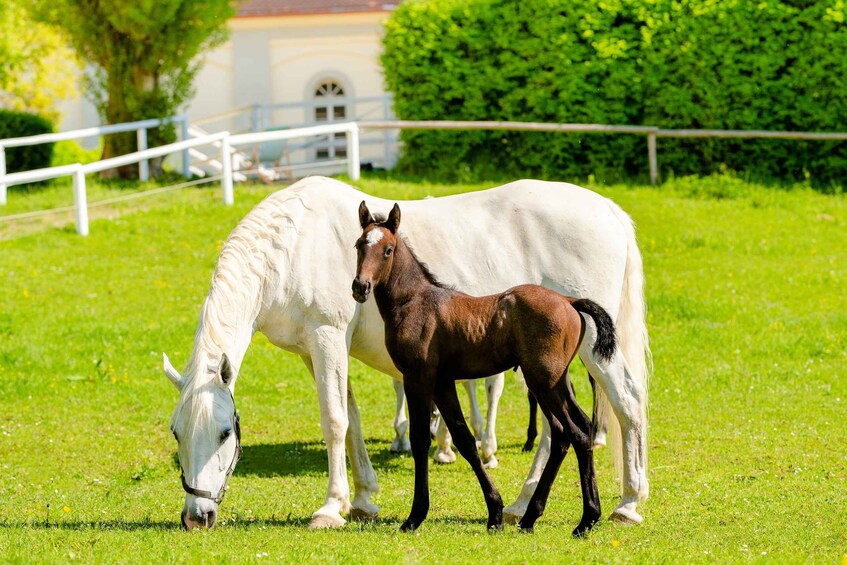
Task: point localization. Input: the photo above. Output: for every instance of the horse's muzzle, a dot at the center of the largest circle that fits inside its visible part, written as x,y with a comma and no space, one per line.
205,519
361,290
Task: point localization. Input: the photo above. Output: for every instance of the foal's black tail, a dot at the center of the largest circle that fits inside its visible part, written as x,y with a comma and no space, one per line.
605,345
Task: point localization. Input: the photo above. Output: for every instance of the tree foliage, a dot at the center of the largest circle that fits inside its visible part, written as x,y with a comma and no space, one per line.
143,55
729,64
37,68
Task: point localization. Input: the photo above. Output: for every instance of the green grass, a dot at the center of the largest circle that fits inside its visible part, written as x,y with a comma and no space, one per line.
748,460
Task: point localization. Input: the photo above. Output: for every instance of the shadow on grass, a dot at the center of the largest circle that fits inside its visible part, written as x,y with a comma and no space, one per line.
274,522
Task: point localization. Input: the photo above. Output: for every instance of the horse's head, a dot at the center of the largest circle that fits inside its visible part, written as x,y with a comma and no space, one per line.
376,250
206,427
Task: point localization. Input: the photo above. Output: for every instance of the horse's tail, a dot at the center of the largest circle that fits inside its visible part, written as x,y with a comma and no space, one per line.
605,345
632,336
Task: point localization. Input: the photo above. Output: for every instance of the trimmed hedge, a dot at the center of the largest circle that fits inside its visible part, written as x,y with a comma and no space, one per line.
21,124
777,65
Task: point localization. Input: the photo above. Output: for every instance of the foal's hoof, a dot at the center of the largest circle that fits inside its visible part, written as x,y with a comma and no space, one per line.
322,521
626,515
530,443
409,526
493,528
445,457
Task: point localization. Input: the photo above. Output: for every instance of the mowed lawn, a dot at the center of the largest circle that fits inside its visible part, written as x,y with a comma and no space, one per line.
748,403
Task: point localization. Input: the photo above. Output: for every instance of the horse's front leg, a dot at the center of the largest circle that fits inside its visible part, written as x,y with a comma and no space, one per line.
364,476
419,400
329,357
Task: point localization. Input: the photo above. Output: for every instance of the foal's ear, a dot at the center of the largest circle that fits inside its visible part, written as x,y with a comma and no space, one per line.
365,217
225,370
393,221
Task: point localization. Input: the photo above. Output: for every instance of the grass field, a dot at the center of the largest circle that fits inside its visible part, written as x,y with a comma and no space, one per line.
748,439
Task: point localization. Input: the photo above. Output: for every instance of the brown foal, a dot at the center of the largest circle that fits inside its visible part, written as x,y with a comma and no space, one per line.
435,335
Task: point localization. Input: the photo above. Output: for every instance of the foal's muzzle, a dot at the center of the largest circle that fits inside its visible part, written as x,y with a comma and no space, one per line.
361,290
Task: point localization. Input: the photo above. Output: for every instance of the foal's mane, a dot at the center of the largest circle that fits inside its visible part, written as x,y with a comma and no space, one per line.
431,278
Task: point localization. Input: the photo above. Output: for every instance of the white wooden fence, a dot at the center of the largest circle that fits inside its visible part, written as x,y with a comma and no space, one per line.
223,140
227,143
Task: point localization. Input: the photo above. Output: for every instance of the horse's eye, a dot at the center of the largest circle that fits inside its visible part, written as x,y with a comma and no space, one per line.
225,435
388,251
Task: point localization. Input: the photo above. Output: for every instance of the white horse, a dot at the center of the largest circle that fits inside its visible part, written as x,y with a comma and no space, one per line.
286,270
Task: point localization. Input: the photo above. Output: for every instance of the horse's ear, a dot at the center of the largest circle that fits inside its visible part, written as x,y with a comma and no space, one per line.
225,370
393,221
172,373
365,217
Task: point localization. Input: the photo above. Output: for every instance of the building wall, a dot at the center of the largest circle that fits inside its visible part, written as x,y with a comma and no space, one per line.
281,60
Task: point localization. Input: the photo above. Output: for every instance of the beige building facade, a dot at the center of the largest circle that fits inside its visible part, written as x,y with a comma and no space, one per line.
289,63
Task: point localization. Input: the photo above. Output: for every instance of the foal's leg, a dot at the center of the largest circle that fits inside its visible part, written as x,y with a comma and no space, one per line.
401,424
420,409
569,424
494,390
451,411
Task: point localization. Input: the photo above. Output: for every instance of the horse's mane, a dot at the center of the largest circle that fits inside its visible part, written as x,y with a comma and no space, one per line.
236,296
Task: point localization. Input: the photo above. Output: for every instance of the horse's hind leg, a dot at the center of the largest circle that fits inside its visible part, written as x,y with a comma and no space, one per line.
451,412
531,430
364,477
401,424
494,390
517,509
600,419
628,399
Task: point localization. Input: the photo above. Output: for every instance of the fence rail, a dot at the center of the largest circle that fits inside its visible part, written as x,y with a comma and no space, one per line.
225,142
140,127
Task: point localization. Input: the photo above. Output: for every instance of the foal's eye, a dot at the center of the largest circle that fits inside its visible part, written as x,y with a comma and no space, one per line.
225,435
388,251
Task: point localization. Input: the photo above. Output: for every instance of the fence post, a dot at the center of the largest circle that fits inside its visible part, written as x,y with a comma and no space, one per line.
651,155
353,165
143,165
226,172
2,174
186,158
80,202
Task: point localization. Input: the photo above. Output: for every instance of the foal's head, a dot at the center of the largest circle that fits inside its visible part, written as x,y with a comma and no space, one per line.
376,250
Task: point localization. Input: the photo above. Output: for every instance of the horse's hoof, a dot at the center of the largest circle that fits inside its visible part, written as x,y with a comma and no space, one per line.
512,515
626,515
322,521
490,463
398,446
364,514
600,440
445,457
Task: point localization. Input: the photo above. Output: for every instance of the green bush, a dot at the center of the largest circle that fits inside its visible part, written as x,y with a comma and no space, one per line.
70,152
668,63
21,124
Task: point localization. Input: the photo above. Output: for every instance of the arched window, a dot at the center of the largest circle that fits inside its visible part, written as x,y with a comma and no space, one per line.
330,106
